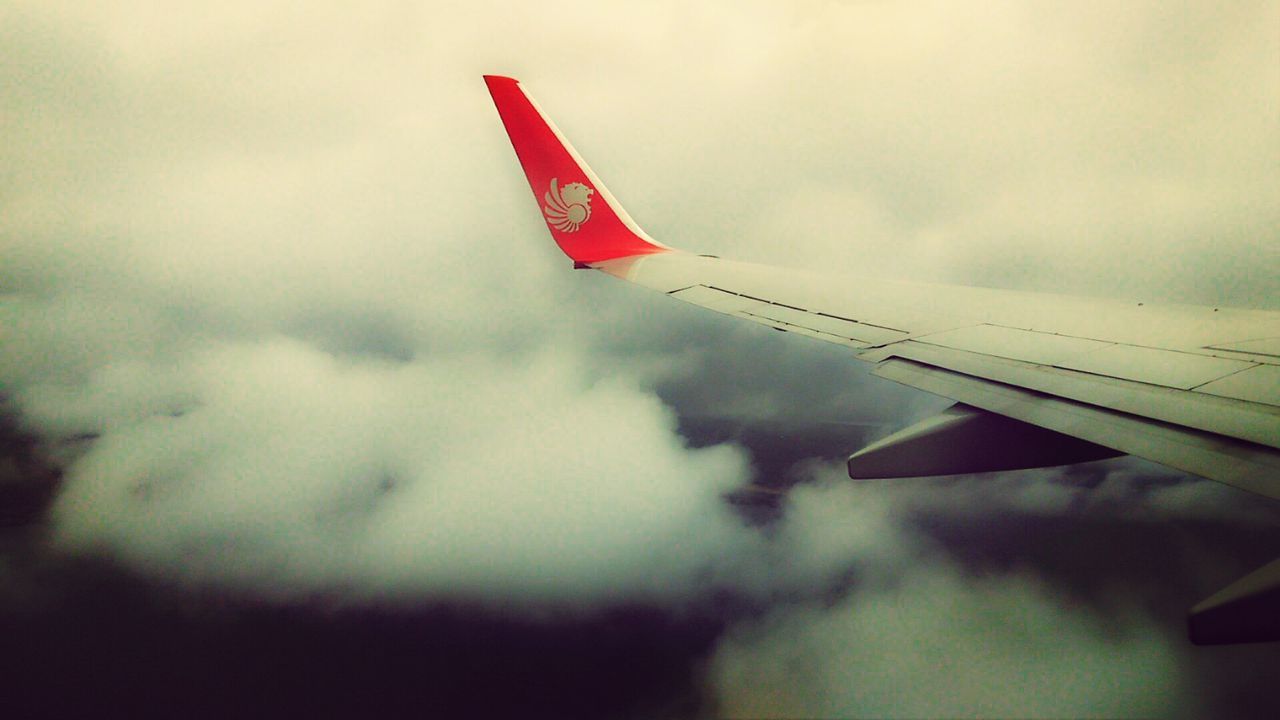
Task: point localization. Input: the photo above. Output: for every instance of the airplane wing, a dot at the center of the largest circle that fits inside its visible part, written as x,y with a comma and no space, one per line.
1039,379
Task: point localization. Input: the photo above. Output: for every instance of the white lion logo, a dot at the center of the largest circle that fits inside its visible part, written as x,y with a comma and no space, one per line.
568,207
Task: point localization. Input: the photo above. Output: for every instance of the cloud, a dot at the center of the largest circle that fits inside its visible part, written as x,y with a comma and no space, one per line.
274,290
280,467
941,644
914,629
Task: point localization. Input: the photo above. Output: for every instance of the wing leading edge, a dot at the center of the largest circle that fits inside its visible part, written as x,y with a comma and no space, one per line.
1194,388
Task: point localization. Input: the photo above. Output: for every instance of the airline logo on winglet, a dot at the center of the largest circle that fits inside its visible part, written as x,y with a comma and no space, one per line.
568,208
582,217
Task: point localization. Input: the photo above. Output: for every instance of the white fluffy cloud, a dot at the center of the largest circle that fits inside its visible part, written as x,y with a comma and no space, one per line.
279,466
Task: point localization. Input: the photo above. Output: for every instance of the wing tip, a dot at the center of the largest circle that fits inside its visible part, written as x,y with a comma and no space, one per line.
492,80
563,185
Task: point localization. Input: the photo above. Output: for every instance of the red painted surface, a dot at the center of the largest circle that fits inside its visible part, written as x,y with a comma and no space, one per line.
576,212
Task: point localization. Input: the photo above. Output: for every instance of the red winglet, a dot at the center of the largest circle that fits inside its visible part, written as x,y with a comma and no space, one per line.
584,218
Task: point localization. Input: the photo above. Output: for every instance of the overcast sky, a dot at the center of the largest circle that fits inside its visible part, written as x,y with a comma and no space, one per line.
277,302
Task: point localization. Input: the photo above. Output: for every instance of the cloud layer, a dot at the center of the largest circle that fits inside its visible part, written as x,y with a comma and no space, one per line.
276,300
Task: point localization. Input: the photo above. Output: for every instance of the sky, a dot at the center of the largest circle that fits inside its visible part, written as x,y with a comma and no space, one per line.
303,408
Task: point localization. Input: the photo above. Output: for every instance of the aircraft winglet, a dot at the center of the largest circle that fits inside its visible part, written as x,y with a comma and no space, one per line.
584,218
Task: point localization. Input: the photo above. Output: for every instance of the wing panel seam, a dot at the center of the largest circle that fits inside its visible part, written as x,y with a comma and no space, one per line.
1228,417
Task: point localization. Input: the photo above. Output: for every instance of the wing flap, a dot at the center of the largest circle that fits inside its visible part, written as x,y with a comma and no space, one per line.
1242,464
1169,368
1251,422
1257,384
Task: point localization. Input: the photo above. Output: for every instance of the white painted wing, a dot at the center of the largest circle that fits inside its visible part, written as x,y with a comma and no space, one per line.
1196,388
